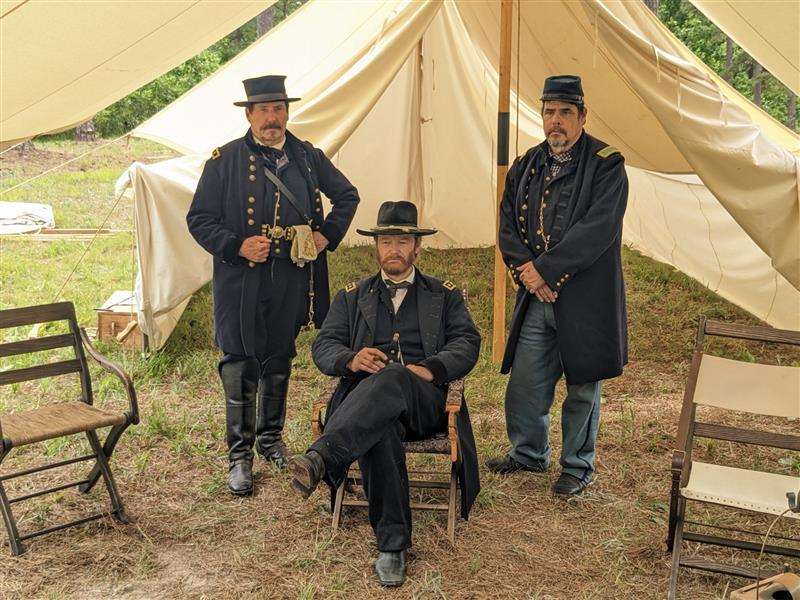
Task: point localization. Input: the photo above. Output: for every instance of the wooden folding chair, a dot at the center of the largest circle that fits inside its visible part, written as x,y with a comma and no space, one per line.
736,386
60,419
445,443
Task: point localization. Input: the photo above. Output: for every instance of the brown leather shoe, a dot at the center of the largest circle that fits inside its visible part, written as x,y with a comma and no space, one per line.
507,465
568,486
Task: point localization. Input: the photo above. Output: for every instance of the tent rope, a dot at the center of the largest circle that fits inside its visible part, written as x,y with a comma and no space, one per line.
88,246
65,163
516,143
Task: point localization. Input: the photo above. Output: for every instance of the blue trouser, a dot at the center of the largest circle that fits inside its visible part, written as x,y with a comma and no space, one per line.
529,397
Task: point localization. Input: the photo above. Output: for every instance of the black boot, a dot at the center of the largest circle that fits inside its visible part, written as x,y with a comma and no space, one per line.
271,417
308,470
391,568
240,382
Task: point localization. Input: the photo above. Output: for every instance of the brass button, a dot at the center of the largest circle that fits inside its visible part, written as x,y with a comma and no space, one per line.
538,247
277,217
533,171
252,167
251,222
558,284
544,205
252,158
546,192
547,178
523,230
277,250
566,276
316,191
251,200
251,264
250,211
521,218
252,177
524,207
526,241
319,210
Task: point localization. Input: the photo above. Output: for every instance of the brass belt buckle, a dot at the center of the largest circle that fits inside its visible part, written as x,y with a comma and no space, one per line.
277,232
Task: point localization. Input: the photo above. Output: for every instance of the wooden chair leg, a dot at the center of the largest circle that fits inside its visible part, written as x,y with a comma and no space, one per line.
337,505
108,450
677,543
108,477
451,507
8,518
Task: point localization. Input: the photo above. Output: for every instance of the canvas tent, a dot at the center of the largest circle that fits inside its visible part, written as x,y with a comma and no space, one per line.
413,86
96,52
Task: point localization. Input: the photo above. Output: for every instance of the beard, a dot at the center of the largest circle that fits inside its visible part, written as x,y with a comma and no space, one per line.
558,141
396,265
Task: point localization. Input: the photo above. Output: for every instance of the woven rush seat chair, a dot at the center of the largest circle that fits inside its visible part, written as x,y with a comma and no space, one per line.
733,387
443,443
60,419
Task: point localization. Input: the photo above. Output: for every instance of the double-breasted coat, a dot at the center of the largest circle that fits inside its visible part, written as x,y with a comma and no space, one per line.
450,340
584,267
229,206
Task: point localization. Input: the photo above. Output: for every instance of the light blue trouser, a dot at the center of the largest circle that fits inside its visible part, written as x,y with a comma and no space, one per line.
529,397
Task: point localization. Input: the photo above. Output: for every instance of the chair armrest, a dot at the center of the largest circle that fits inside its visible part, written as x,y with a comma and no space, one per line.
133,413
320,405
455,397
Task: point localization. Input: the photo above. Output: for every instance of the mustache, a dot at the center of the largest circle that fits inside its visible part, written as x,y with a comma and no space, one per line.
557,130
271,126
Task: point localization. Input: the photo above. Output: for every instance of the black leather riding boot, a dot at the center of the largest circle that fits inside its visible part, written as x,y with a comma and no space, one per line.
240,383
271,417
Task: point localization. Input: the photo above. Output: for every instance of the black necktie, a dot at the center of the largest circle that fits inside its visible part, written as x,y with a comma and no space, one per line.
272,156
393,287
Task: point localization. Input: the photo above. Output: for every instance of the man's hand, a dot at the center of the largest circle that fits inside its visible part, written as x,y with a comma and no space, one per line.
535,283
370,360
421,371
255,248
320,241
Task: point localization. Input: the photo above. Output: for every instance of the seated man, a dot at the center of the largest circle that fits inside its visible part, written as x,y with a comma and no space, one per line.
396,339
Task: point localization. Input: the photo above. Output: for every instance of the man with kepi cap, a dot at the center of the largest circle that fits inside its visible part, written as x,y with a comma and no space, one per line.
396,339
560,236
258,210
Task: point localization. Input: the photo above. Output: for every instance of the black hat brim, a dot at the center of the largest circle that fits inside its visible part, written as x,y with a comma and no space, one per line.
264,98
393,230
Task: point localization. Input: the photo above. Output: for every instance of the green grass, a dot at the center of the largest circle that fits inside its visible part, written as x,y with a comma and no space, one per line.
191,539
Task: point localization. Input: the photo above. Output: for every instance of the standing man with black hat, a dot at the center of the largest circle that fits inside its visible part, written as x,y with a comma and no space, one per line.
560,236
396,339
258,211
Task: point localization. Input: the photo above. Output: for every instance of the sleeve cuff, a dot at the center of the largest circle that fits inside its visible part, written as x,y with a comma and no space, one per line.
332,234
435,366
231,250
340,366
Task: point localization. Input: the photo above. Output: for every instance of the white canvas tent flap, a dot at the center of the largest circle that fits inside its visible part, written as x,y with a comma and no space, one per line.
429,130
62,62
768,31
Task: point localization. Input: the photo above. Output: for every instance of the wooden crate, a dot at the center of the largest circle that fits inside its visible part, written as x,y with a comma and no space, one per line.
116,321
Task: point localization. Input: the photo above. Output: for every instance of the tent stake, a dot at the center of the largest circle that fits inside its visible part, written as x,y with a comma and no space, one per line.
504,98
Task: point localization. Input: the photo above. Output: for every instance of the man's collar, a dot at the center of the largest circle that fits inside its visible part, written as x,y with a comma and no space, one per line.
409,279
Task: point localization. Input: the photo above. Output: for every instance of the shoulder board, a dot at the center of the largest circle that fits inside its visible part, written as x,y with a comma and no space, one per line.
215,153
607,151
351,286
449,285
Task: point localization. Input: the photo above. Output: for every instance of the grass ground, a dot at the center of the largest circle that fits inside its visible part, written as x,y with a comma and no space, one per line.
190,539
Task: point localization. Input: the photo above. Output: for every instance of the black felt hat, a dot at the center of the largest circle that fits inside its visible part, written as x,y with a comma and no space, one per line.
269,88
397,218
566,88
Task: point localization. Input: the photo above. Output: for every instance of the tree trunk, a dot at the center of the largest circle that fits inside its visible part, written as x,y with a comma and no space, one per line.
652,5
728,59
85,132
264,21
755,74
791,112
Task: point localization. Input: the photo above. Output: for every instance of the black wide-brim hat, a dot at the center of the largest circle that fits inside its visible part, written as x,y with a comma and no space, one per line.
269,88
397,218
566,88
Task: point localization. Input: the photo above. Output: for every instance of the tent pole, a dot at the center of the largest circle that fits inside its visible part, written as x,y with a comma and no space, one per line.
504,100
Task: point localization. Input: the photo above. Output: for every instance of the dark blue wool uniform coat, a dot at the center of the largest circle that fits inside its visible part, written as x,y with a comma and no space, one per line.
229,206
450,340
584,267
